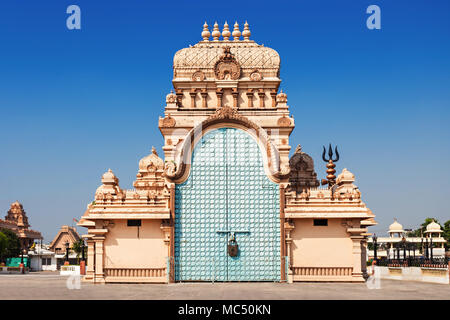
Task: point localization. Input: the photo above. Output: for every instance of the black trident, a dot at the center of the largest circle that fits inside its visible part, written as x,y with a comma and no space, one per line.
331,178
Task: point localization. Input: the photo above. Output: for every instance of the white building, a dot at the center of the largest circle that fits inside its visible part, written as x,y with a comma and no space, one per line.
43,259
392,246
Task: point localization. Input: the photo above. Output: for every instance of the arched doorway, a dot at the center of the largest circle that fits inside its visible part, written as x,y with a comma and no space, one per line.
227,193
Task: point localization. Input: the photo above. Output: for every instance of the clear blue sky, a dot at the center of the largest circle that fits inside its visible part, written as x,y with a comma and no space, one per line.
75,103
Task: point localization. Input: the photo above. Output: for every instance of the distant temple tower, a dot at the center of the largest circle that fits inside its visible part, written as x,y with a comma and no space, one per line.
66,235
16,220
226,203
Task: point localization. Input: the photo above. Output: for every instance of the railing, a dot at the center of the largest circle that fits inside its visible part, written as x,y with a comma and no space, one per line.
414,262
4,269
322,271
135,272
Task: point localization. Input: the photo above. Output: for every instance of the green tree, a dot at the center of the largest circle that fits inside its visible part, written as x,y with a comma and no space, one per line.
423,227
12,244
3,245
446,233
77,247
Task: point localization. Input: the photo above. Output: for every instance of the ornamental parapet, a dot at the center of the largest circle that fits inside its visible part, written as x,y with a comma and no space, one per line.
148,200
343,200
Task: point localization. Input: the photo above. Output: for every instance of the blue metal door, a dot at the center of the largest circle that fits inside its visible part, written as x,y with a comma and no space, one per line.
227,194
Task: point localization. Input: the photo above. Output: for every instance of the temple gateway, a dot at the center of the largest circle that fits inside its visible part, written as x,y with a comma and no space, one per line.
225,202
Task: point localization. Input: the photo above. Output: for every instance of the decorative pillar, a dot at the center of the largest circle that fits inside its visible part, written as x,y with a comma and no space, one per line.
204,97
288,227
179,94
363,258
219,93
234,92
90,270
172,234
273,95
391,246
193,94
357,272
250,97
166,228
261,95
99,275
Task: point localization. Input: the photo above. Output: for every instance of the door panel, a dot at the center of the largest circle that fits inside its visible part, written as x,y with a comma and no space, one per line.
227,191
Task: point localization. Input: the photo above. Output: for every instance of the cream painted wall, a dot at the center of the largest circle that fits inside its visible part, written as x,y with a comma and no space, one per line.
123,249
321,246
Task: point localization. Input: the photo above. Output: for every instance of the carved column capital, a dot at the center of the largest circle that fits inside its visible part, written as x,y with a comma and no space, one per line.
235,93
261,95
166,229
219,93
273,95
193,94
249,94
179,94
204,94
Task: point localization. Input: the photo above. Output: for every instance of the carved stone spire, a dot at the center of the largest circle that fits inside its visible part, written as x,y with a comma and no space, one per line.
246,33
226,32
216,32
205,34
17,215
236,33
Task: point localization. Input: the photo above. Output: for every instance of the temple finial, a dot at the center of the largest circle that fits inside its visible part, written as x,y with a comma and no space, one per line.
236,33
331,178
226,32
216,32
246,33
205,33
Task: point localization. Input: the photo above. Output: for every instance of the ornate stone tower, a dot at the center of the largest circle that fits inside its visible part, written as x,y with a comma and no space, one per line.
227,107
17,215
16,220
238,77
225,202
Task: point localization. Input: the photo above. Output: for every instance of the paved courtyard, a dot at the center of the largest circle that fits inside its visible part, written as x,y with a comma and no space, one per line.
49,285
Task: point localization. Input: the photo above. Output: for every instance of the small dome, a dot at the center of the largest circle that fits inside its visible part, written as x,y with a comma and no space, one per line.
205,33
151,162
109,177
216,32
345,176
433,227
249,55
246,33
236,33
395,227
171,97
282,97
226,32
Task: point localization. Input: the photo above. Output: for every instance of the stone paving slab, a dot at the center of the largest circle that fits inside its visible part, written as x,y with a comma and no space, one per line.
53,286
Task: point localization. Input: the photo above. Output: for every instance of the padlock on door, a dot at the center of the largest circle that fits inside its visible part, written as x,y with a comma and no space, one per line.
233,247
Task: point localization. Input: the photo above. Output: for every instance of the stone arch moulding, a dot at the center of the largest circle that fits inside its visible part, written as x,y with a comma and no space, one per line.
227,117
